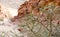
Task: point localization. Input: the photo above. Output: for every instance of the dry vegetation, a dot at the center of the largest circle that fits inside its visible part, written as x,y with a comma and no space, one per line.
36,18
40,18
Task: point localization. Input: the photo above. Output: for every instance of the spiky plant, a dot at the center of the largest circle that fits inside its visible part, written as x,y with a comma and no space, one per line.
41,20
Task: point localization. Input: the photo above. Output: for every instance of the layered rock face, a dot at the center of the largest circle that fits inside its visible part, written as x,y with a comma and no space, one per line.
40,18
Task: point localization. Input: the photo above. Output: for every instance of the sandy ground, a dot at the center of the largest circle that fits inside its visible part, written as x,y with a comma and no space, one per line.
12,5
7,28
